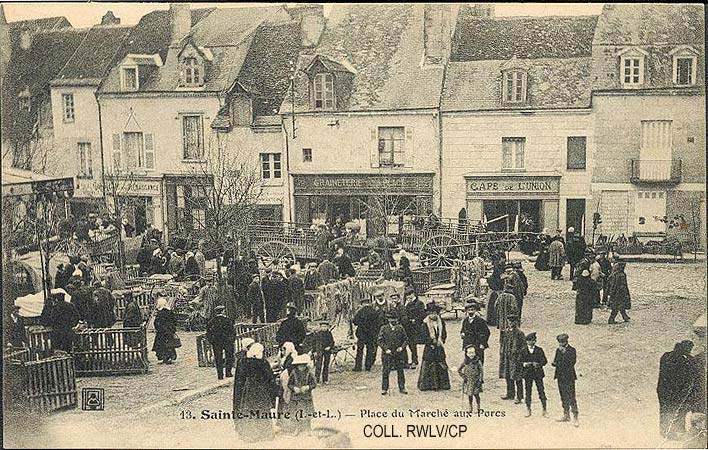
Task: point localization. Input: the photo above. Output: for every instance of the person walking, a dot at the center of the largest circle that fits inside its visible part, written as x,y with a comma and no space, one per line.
532,360
255,389
328,271
564,362
434,374
368,324
344,264
674,389
584,297
323,344
496,287
512,341
506,304
393,341
301,383
63,317
474,330
221,336
596,276
296,289
618,297
164,344
471,372
556,258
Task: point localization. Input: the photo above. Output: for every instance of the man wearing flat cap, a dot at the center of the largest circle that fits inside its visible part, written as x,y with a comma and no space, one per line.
220,334
532,361
474,330
393,342
564,362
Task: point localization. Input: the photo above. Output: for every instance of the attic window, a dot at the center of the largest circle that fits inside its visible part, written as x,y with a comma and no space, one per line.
685,60
514,84
324,91
24,101
632,67
129,78
192,72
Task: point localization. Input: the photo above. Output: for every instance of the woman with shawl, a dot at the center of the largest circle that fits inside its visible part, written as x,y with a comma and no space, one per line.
434,374
254,393
165,328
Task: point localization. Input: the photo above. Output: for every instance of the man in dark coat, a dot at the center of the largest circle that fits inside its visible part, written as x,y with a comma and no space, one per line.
512,341
564,362
255,300
415,314
291,329
296,289
16,328
518,287
220,334
574,249
104,306
344,264
474,330
328,271
82,299
393,342
618,297
532,360
367,324
674,389
63,317
275,294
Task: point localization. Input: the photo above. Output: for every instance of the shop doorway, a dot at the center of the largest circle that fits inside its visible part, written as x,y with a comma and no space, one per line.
502,215
339,207
575,215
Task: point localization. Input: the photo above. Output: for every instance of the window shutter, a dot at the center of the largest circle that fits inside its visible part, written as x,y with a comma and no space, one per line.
504,89
408,148
149,152
374,148
116,152
524,86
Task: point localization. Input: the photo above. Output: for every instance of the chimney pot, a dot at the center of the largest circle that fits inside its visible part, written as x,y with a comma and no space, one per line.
110,19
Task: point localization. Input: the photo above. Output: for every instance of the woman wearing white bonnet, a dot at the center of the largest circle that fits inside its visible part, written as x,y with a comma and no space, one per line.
255,351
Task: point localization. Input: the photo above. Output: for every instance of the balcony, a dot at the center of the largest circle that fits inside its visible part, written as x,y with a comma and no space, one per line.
655,171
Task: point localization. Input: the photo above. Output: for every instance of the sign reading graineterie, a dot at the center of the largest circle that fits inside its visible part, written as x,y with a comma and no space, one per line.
364,184
526,185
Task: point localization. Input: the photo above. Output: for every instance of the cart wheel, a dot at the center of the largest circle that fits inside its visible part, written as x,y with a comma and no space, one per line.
275,250
439,251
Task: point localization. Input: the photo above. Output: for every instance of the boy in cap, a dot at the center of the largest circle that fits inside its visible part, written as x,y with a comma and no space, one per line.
532,360
220,334
393,342
323,342
564,362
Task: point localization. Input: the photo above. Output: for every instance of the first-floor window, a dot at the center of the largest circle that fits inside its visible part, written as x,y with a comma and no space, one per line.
513,152
193,136
67,101
270,166
391,146
85,160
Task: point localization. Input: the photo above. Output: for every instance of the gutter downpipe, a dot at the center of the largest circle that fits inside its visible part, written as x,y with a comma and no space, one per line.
100,138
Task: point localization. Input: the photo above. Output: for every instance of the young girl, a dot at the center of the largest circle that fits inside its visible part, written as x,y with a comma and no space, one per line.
300,385
471,372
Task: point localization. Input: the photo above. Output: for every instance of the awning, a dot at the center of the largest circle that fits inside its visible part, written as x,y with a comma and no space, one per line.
18,182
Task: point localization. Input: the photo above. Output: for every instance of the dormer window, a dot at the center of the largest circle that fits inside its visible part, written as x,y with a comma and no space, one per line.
632,67
684,65
324,91
24,101
129,78
514,86
192,72
193,60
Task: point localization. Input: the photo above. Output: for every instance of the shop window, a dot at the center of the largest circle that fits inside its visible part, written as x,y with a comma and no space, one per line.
67,103
193,136
576,152
513,153
514,86
391,146
85,160
307,155
271,166
323,91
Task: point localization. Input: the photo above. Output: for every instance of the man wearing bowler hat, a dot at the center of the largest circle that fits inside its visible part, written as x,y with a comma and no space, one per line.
532,361
474,330
564,362
393,342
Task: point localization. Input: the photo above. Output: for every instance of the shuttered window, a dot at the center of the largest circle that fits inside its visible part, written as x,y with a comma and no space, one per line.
577,152
67,102
193,136
656,139
133,150
391,146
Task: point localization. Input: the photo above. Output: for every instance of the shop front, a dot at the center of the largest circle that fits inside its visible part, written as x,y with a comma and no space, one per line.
141,203
514,202
362,198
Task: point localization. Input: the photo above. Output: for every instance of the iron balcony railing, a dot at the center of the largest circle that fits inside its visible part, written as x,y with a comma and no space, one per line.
655,171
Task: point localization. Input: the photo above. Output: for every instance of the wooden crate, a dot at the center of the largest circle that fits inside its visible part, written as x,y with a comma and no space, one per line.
263,333
146,302
51,383
39,341
110,351
426,277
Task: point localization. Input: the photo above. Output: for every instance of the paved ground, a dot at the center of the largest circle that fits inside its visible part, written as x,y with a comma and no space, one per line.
617,369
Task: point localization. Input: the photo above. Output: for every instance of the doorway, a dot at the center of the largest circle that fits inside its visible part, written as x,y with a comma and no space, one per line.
502,215
575,214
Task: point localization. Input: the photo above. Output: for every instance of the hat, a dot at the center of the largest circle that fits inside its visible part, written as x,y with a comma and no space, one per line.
517,265
571,230
220,309
247,342
531,336
562,337
585,273
291,305
77,273
302,359
189,255
471,305
156,252
433,307
508,265
323,321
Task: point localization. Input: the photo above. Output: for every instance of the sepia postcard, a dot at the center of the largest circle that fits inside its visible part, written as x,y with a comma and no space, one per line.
353,225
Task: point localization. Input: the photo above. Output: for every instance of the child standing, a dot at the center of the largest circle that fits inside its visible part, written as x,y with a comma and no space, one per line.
300,385
322,345
471,372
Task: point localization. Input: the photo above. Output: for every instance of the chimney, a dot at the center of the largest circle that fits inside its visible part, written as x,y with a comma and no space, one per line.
110,19
483,10
439,21
181,21
25,39
311,18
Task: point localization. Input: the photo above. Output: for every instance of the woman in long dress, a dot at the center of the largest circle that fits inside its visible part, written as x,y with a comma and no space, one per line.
165,328
584,298
434,374
254,395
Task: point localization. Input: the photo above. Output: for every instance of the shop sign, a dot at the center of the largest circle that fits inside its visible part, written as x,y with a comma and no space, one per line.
363,184
524,185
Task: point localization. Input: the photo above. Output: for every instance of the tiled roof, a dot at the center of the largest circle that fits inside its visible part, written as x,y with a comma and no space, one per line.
384,44
489,38
45,24
96,54
552,84
651,24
